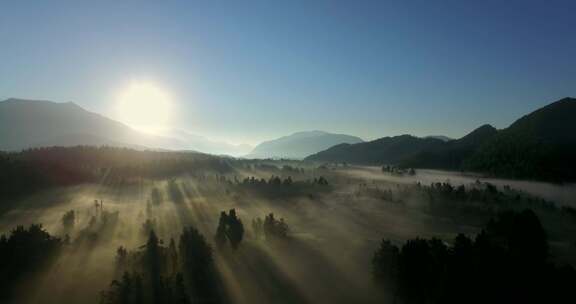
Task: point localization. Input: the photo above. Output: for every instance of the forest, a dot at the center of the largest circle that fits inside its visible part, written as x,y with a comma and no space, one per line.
128,226
287,152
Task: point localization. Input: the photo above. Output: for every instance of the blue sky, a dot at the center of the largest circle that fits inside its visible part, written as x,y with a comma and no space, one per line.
246,71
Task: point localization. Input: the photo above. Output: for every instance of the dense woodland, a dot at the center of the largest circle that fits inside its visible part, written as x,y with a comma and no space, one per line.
199,229
288,152
508,261
42,168
538,146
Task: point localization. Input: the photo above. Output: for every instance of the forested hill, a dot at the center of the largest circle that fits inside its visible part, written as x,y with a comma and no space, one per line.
386,150
451,154
540,146
409,151
25,172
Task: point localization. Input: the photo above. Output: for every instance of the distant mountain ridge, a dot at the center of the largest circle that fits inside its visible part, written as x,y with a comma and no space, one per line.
451,154
300,144
33,123
540,145
36,123
380,151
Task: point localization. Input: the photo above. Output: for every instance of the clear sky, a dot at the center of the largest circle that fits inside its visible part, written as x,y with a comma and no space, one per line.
246,71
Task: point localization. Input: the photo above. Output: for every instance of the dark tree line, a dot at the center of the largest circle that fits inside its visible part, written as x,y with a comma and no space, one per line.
288,166
183,273
270,228
398,170
273,181
20,177
41,168
100,226
230,229
275,186
379,193
507,262
516,153
23,253
68,220
484,198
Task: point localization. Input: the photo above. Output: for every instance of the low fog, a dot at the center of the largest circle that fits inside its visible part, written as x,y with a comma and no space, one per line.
333,229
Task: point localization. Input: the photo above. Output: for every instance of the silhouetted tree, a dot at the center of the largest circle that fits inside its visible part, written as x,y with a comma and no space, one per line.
147,227
198,266
121,258
24,252
273,228
257,227
180,294
127,290
235,229
230,229
322,181
172,257
221,232
152,266
385,262
68,220
506,262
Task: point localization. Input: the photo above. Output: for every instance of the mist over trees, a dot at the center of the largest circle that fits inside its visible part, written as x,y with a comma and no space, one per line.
68,220
47,168
205,178
538,146
183,273
270,228
24,252
230,229
506,262
278,231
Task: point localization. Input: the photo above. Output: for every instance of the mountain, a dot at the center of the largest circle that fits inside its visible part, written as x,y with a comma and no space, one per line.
33,123
540,145
410,151
452,153
300,145
36,123
386,150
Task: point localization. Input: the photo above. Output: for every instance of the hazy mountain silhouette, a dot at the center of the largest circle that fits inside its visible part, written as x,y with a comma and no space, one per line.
386,150
540,145
34,123
37,123
301,144
452,153
410,151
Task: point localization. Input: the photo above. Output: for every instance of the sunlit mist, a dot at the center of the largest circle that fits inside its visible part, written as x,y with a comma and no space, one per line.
145,106
305,152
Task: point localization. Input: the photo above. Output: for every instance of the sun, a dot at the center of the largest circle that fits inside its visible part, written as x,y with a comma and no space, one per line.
144,106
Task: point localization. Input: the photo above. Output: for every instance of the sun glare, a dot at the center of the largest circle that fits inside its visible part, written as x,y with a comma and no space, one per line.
144,106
